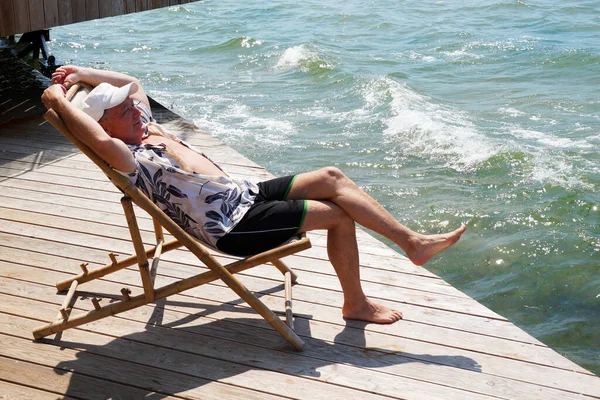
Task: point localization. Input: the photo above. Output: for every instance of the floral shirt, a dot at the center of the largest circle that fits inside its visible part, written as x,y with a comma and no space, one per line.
206,207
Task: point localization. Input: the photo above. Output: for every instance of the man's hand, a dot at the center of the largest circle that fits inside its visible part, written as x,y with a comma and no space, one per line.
67,75
53,94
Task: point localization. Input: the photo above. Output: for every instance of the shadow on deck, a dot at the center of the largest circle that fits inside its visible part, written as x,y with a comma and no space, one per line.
28,142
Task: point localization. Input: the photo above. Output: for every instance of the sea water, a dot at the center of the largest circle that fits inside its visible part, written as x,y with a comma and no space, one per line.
447,112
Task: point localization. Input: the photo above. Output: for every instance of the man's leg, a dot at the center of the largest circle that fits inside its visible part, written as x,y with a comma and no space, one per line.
332,185
342,250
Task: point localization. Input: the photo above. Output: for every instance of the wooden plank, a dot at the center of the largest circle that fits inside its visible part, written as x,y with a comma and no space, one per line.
106,200
104,8
36,15
68,383
92,9
65,12
7,18
322,356
151,379
129,6
14,391
412,297
79,11
118,7
141,5
22,18
51,13
219,155
38,176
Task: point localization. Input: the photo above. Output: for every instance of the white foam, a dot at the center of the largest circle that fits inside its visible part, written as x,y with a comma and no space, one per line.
298,57
511,112
75,45
413,55
249,42
550,141
420,127
461,54
555,170
292,57
144,47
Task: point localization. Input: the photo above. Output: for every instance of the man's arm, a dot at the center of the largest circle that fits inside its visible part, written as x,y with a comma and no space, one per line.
111,150
70,74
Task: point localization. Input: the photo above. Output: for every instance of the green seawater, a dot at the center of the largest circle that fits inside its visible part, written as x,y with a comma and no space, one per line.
478,112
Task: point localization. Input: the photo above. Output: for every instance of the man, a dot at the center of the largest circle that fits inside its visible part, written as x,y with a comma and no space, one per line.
236,216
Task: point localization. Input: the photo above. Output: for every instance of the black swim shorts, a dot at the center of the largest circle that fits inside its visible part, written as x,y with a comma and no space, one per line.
270,221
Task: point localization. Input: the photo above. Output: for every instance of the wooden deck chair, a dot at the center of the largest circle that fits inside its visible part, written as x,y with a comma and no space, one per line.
65,321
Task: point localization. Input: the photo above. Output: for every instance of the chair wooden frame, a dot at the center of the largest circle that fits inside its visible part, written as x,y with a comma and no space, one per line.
65,321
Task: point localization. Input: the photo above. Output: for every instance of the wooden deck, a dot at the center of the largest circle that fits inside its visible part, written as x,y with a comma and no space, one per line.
57,210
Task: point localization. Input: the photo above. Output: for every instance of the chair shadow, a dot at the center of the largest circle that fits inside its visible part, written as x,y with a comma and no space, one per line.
189,352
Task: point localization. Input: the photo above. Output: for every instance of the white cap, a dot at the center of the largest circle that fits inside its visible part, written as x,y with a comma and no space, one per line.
105,96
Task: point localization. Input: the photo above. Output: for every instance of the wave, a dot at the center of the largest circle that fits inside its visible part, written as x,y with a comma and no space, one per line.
236,43
179,9
550,141
304,58
417,126
420,127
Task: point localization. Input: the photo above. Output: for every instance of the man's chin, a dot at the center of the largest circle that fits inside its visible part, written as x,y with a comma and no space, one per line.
143,129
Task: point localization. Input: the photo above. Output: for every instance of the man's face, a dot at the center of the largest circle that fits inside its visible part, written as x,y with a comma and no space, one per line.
124,122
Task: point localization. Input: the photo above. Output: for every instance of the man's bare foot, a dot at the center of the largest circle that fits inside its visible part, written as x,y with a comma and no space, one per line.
426,246
371,312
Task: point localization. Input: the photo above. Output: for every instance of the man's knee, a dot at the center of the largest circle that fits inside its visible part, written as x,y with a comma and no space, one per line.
334,176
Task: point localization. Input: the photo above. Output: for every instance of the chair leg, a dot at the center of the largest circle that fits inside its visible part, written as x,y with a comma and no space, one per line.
289,278
138,245
289,318
277,324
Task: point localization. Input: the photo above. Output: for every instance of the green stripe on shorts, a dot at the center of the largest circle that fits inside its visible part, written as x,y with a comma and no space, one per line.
289,188
303,216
